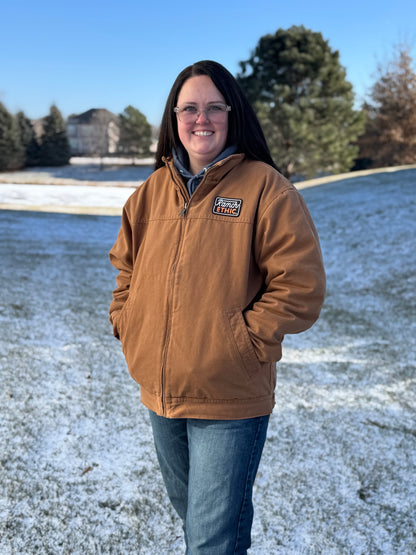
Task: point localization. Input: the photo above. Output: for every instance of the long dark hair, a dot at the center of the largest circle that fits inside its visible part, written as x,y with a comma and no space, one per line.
244,129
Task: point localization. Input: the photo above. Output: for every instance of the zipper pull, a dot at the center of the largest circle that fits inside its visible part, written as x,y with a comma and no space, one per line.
184,209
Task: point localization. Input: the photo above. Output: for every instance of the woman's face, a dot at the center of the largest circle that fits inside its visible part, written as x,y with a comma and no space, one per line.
202,139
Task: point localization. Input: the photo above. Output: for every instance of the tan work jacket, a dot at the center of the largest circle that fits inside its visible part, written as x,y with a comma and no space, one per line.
209,285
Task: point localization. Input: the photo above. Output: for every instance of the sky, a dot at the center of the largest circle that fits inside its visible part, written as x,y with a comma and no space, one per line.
89,54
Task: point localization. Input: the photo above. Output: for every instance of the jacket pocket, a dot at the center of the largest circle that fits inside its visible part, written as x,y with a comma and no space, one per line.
242,344
123,318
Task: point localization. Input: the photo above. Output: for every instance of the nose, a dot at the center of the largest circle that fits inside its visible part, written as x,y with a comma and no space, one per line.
202,116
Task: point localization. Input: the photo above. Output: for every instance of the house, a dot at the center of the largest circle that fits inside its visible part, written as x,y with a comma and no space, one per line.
93,133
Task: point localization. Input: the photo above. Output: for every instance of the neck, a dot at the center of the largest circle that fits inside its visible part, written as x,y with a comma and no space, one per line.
196,168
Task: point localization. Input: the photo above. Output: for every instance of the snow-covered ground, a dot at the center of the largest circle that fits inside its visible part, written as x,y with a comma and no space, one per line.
84,186
65,198
87,171
78,473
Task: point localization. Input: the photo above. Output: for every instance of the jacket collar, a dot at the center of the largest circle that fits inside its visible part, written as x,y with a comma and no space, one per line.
181,162
214,174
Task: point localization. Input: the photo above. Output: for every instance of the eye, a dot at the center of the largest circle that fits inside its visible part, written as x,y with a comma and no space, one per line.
215,108
189,110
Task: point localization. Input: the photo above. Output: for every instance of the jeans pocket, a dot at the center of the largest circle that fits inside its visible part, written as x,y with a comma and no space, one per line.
243,346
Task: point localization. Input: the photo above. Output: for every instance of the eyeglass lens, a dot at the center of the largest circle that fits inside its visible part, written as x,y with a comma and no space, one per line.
214,112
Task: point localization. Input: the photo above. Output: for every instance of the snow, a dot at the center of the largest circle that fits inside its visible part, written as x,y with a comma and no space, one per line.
66,198
78,472
112,160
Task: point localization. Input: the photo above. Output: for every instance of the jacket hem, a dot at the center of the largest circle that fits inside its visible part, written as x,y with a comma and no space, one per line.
210,409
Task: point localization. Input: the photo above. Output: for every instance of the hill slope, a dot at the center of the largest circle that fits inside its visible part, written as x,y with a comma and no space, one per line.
78,473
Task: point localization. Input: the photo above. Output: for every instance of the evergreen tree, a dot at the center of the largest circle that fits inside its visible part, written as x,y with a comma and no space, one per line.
54,148
390,134
11,149
305,104
28,140
135,132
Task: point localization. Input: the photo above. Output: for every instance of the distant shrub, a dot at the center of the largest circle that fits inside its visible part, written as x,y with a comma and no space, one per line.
11,149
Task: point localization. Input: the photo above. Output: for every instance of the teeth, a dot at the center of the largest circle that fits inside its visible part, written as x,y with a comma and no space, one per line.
203,133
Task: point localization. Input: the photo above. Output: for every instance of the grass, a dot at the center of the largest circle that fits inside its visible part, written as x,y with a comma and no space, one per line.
78,472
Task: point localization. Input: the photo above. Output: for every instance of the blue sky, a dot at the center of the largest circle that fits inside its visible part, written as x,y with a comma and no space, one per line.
89,54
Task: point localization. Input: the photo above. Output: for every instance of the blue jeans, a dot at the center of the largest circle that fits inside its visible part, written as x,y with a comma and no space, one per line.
209,467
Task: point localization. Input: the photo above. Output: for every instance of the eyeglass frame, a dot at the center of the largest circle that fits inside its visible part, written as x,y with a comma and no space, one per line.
177,111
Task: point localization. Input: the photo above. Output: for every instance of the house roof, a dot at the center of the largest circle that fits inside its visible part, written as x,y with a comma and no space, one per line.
95,115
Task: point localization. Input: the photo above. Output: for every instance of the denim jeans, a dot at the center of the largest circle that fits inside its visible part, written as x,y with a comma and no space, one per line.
209,467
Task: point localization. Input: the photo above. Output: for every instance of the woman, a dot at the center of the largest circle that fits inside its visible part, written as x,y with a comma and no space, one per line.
218,259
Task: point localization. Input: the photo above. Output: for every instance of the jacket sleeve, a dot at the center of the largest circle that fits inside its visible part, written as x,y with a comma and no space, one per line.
121,258
288,254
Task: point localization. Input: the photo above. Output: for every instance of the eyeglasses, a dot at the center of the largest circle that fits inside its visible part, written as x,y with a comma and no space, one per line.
216,113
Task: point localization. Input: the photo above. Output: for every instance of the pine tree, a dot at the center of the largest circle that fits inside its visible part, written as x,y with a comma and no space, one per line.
54,148
11,149
28,139
299,90
390,134
135,132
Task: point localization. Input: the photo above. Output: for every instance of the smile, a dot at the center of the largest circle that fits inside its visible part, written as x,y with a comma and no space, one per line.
203,133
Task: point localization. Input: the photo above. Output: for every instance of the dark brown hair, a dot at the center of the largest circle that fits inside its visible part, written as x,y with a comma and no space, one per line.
244,129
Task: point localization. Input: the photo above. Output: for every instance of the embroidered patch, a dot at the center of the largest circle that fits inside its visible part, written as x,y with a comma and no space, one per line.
227,206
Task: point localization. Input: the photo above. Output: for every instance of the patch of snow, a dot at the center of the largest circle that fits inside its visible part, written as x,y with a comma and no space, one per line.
78,472
70,196
112,160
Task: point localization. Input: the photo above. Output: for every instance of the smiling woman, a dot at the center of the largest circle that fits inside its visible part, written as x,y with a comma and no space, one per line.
218,259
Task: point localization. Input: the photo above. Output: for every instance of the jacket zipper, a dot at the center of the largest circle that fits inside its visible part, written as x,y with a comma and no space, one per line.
184,209
166,340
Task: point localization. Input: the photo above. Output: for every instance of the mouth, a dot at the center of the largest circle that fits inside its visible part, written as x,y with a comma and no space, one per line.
203,133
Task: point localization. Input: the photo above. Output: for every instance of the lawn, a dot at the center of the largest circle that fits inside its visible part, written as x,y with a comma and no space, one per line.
78,473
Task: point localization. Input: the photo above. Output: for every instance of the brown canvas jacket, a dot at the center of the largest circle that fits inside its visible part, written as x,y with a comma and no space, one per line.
209,285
